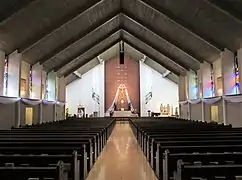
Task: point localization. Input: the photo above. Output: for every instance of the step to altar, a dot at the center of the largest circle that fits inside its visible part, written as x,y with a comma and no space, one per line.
122,114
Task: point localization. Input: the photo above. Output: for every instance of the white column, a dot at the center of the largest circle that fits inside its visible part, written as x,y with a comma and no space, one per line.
62,90
14,74
18,114
189,111
41,113
224,111
227,58
182,91
36,81
2,59
206,79
203,119
54,112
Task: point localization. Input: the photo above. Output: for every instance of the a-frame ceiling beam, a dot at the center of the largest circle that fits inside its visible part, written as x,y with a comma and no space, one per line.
153,45
121,26
12,8
86,48
80,36
31,42
145,51
183,25
183,66
186,51
90,57
225,8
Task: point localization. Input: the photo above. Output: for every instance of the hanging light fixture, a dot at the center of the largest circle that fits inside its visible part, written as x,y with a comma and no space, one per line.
121,52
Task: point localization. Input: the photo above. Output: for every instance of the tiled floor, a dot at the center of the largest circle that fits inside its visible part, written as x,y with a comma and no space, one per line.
121,159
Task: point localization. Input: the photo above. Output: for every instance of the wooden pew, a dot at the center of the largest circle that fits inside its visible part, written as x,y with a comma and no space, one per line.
187,171
54,172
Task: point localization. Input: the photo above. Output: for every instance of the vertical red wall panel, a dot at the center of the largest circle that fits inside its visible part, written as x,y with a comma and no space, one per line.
127,74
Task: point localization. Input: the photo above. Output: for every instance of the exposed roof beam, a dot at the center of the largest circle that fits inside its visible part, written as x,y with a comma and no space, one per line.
224,7
42,35
143,59
168,42
183,25
185,51
74,40
166,73
62,64
91,57
71,78
100,59
77,74
9,12
156,48
146,52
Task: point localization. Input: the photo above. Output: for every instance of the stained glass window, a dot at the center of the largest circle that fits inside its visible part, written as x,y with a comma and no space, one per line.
30,82
212,82
5,86
236,76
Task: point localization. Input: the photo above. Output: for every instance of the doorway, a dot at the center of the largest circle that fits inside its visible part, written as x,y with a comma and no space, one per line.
214,113
29,115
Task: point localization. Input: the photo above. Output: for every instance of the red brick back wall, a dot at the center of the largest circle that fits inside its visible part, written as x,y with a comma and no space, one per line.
116,74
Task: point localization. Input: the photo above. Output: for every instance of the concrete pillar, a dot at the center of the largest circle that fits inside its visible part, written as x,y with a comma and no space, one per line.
2,59
200,86
14,74
18,114
54,112
227,59
224,111
239,55
182,91
206,79
41,113
62,90
36,81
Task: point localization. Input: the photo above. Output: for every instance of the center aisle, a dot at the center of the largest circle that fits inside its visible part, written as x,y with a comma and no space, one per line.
122,158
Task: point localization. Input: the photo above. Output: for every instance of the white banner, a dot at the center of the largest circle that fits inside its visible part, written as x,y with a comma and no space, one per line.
31,102
8,100
195,101
212,100
233,99
45,102
183,102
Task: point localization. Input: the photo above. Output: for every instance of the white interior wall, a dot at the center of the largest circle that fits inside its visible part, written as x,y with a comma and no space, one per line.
196,111
163,90
234,114
79,92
